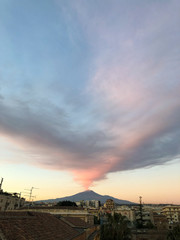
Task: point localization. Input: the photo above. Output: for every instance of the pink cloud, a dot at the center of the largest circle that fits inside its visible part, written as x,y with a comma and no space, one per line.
86,177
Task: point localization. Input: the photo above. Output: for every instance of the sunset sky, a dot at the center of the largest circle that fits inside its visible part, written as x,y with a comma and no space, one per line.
90,98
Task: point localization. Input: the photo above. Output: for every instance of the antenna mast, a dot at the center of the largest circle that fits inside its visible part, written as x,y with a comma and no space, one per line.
30,194
1,184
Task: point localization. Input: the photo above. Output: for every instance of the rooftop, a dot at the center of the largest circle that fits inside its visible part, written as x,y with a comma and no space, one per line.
33,225
76,222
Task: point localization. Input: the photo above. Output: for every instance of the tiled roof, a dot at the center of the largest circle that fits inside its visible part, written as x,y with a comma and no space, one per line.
77,222
34,226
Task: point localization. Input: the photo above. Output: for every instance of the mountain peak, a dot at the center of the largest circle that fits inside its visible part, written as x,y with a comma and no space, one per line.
89,195
88,191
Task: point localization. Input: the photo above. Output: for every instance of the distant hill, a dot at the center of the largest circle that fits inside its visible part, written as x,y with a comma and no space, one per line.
88,195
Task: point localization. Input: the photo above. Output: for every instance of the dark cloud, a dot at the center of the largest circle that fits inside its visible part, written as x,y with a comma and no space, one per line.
50,132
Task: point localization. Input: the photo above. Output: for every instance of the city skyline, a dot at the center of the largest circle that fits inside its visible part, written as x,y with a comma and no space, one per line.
89,98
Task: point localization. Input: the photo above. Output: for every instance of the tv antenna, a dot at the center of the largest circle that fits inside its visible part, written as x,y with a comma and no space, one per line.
29,193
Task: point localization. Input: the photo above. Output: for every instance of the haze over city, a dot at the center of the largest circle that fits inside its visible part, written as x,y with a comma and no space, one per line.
90,98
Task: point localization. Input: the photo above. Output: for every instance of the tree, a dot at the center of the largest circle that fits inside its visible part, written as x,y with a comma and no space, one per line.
66,203
116,228
96,220
174,234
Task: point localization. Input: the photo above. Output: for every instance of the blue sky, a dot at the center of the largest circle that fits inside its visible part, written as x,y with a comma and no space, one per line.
89,89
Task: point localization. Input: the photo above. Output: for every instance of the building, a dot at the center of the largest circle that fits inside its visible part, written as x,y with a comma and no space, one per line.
81,226
10,201
172,213
127,212
160,221
33,225
89,203
64,211
109,204
149,234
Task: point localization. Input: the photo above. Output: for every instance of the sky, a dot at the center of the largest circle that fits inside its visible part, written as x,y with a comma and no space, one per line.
90,98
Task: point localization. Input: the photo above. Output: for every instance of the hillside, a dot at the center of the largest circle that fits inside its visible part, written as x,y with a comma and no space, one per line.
88,195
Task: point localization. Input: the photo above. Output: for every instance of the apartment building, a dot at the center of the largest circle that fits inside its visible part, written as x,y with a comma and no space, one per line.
126,212
109,204
172,213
